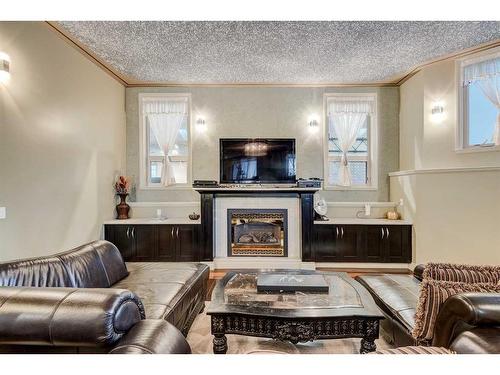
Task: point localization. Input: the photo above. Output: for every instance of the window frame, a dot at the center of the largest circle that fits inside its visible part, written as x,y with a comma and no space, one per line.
462,129
145,158
372,134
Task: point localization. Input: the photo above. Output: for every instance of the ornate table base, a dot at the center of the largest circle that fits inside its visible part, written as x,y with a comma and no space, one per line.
295,329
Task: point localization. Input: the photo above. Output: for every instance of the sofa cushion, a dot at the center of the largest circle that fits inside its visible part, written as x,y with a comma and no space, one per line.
396,295
462,273
432,296
95,265
112,261
36,272
157,284
416,350
85,267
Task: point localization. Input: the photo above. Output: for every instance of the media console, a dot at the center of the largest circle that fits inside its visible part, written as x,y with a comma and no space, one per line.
362,241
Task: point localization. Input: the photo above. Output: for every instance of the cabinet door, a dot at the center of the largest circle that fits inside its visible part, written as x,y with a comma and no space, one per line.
187,243
375,244
348,242
398,248
145,242
166,243
325,249
121,237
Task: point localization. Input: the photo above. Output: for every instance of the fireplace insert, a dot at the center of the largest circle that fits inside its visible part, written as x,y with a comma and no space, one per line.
257,232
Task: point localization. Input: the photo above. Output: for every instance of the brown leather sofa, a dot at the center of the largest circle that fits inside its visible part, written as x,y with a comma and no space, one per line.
466,323
88,300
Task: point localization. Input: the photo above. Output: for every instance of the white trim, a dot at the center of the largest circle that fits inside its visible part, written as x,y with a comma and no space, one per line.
443,170
143,185
462,128
361,204
164,204
372,142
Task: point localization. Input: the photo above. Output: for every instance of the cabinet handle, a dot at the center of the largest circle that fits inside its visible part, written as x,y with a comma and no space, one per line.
133,232
177,233
342,229
382,230
128,232
337,229
387,232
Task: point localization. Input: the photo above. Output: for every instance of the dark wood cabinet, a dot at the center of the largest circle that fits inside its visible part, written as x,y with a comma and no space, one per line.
156,243
362,243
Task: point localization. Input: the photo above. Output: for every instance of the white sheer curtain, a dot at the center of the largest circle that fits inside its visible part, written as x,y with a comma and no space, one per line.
165,120
345,119
487,75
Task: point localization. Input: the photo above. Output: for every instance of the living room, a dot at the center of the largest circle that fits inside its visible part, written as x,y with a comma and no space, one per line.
249,186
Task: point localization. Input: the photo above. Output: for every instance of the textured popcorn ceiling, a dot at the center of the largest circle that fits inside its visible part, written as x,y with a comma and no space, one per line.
274,52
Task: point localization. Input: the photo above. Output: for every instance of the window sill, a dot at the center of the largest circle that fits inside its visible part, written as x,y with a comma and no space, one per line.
473,149
351,188
167,188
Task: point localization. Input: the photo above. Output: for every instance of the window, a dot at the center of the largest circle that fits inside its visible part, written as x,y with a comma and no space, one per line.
350,134
479,102
165,140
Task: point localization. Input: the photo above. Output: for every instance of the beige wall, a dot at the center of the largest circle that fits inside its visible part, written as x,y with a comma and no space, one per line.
266,112
456,213
62,140
423,143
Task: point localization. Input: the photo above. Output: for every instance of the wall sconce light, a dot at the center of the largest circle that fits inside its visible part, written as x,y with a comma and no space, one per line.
201,124
437,112
4,67
313,123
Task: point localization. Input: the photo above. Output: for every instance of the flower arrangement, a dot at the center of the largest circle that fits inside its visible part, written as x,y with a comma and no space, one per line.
122,185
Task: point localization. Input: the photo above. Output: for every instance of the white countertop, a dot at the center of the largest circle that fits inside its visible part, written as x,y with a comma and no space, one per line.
154,221
354,220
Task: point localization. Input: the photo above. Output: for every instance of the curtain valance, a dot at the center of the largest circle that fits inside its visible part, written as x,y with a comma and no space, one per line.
355,105
482,70
165,107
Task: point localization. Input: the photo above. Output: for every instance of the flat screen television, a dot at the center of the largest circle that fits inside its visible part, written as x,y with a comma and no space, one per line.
257,161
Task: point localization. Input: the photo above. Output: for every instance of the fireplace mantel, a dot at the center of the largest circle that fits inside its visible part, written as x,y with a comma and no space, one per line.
257,191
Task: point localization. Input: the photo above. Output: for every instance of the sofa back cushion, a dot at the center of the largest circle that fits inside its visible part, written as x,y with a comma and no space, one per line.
36,272
433,294
462,273
98,264
112,261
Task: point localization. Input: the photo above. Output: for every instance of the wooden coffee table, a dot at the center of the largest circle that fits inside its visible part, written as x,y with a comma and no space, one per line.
347,311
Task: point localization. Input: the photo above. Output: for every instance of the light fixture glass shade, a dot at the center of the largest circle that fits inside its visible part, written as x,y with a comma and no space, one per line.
256,149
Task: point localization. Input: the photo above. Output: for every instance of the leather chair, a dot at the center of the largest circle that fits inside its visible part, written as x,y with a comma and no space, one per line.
88,300
466,323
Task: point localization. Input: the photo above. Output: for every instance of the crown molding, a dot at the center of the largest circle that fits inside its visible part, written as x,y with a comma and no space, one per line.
395,81
54,26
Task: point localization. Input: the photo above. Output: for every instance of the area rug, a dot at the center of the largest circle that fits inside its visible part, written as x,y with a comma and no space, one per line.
200,339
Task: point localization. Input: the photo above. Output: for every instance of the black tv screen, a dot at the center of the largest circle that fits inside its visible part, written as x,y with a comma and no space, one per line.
255,161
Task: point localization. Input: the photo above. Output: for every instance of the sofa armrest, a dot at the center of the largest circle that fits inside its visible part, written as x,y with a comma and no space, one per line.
418,271
152,336
67,316
465,310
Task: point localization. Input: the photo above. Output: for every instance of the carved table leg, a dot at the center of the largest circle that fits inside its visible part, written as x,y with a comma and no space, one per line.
220,343
367,345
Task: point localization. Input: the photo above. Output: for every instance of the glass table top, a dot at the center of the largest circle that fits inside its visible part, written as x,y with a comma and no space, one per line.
241,290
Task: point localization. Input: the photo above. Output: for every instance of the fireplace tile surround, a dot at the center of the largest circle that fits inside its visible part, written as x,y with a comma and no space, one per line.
289,206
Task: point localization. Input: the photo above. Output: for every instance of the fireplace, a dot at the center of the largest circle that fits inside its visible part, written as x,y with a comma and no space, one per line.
257,232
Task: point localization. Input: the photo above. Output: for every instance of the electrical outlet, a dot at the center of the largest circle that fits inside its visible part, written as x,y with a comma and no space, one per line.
368,209
3,212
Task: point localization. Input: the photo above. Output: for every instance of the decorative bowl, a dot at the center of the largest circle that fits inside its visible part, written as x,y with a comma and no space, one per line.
194,216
